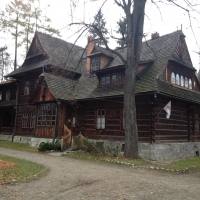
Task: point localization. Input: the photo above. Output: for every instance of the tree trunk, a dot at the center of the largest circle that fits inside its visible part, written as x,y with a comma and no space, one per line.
16,37
135,23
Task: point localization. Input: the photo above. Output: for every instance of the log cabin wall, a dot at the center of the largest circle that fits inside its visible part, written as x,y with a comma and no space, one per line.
112,111
178,127
145,117
26,116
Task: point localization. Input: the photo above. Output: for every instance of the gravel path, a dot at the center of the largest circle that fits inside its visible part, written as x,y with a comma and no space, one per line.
77,180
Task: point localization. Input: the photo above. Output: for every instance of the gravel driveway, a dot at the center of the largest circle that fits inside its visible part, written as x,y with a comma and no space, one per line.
75,179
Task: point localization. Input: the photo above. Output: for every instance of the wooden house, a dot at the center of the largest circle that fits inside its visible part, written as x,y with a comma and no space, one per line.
8,90
61,84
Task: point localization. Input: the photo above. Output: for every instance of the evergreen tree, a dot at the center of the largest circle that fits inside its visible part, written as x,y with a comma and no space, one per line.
122,30
100,24
5,62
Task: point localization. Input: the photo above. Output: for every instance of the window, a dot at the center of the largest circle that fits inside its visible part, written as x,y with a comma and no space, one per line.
27,88
116,78
186,82
106,79
28,120
172,78
101,119
0,96
177,79
46,115
190,84
36,82
182,81
25,120
44,89
32,120
8,95
94,64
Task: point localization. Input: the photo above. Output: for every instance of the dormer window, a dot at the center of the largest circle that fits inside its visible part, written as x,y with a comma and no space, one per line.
190,84
7,95
105,79
172,78
27,88
182,81
186,82
177,79
116,78
94,64
111,79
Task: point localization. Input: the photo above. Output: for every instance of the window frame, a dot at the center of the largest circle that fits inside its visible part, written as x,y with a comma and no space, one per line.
46,115
7,95
101,119
95,64
27,88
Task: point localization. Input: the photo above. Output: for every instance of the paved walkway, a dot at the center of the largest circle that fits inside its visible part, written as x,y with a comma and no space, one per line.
77,180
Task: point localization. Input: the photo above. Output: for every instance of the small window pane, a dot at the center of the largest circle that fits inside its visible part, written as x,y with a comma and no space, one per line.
172,78
186,82
177,79
190,84
182,81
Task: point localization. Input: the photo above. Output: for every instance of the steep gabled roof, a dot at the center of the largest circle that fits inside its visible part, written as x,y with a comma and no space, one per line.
51,51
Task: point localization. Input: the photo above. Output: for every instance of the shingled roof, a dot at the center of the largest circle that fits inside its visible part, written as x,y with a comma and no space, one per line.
55,52
157,52
160,51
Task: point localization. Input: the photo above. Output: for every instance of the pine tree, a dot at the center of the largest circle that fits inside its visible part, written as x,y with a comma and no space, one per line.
122,30
100,24
5,62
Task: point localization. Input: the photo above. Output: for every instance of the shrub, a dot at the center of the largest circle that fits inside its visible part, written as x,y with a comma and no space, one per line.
46,146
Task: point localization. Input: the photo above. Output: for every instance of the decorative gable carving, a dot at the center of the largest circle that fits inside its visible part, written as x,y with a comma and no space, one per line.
35,48
181,52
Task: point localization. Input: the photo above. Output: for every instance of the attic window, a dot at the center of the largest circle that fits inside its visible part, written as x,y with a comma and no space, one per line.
27,88
106,79
182,81
8,95
94,64
111,79
36,82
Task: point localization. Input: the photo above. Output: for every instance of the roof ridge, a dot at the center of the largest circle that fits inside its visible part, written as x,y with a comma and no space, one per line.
62,40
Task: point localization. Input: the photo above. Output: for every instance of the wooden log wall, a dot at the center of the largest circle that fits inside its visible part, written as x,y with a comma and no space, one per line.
25,131
24,98
145,117
114,129
178,127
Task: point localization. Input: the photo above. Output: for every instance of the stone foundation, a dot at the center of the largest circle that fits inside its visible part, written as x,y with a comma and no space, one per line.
155,152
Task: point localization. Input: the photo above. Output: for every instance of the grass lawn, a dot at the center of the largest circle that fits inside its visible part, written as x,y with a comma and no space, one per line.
190,164
18,146
13,170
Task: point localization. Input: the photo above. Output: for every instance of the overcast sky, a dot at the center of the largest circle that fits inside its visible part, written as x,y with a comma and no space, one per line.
164,20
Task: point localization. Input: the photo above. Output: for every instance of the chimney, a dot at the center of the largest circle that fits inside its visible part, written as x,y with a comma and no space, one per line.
90,47
155,35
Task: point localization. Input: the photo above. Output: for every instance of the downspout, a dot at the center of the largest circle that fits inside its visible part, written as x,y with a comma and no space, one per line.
54,137
16,113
